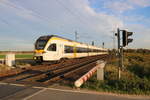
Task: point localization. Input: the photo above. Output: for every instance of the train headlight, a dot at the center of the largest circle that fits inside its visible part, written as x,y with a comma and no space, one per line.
34,58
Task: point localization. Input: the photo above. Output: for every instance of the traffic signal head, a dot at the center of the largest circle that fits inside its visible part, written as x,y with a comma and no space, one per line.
125,39
129,33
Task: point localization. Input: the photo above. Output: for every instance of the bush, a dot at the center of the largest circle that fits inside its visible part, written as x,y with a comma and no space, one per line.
134,86
135,78
140,70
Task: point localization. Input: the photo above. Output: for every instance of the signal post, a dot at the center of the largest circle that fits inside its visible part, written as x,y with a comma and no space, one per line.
125,41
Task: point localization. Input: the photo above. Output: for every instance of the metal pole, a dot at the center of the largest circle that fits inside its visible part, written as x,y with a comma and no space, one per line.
114,40
103,44
93,43
76,34
122,57
119,55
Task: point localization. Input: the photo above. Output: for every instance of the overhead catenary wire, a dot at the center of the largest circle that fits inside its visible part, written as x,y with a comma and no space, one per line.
77,12
77,16
35,13
4,21
49,20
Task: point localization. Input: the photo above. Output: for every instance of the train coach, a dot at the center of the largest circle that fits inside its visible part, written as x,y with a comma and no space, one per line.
54,48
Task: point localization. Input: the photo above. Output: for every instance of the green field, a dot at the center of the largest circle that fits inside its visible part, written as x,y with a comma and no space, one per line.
20,56
135,76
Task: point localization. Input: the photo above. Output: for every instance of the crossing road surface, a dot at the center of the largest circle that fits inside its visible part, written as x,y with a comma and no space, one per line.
15,92
20,92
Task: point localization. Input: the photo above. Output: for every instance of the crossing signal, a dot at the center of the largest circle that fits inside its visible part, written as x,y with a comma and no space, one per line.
125,37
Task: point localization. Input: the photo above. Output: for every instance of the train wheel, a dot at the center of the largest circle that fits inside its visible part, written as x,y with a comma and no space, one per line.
62,60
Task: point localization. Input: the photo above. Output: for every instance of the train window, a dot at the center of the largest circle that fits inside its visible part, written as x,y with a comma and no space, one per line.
78,50
94,50
81,50
84,50
90,50
52,47
68,49
40,44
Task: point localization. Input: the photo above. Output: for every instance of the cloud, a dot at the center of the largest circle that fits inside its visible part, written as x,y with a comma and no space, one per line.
140,3
120,6
139,24
20,10
63,17
140,37
13,43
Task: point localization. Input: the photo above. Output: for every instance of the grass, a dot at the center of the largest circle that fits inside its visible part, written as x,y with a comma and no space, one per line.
22,56
29,56
135,77
2,56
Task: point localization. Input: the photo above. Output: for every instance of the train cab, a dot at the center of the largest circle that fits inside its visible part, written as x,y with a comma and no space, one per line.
47,49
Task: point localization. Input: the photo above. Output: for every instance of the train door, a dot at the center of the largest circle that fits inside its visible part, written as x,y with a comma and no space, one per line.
52,52
60,51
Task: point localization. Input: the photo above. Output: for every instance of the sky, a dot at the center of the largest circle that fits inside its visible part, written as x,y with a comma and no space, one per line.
23,21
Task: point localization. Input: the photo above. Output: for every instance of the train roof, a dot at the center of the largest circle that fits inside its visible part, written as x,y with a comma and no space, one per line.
47,37
50,36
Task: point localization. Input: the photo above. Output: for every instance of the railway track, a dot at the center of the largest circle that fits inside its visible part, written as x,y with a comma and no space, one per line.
48,74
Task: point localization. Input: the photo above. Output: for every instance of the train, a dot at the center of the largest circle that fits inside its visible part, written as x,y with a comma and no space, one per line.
55,48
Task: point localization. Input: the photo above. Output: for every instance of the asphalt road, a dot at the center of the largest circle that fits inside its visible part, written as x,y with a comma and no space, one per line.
52,94
15,92
18,92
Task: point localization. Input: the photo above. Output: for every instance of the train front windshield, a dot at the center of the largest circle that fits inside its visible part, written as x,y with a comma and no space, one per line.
40,44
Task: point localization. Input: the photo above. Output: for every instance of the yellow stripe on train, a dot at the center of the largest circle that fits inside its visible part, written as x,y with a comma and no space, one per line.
39,51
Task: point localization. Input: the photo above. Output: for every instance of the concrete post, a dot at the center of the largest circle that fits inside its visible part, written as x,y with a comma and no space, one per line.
100,70
10,59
